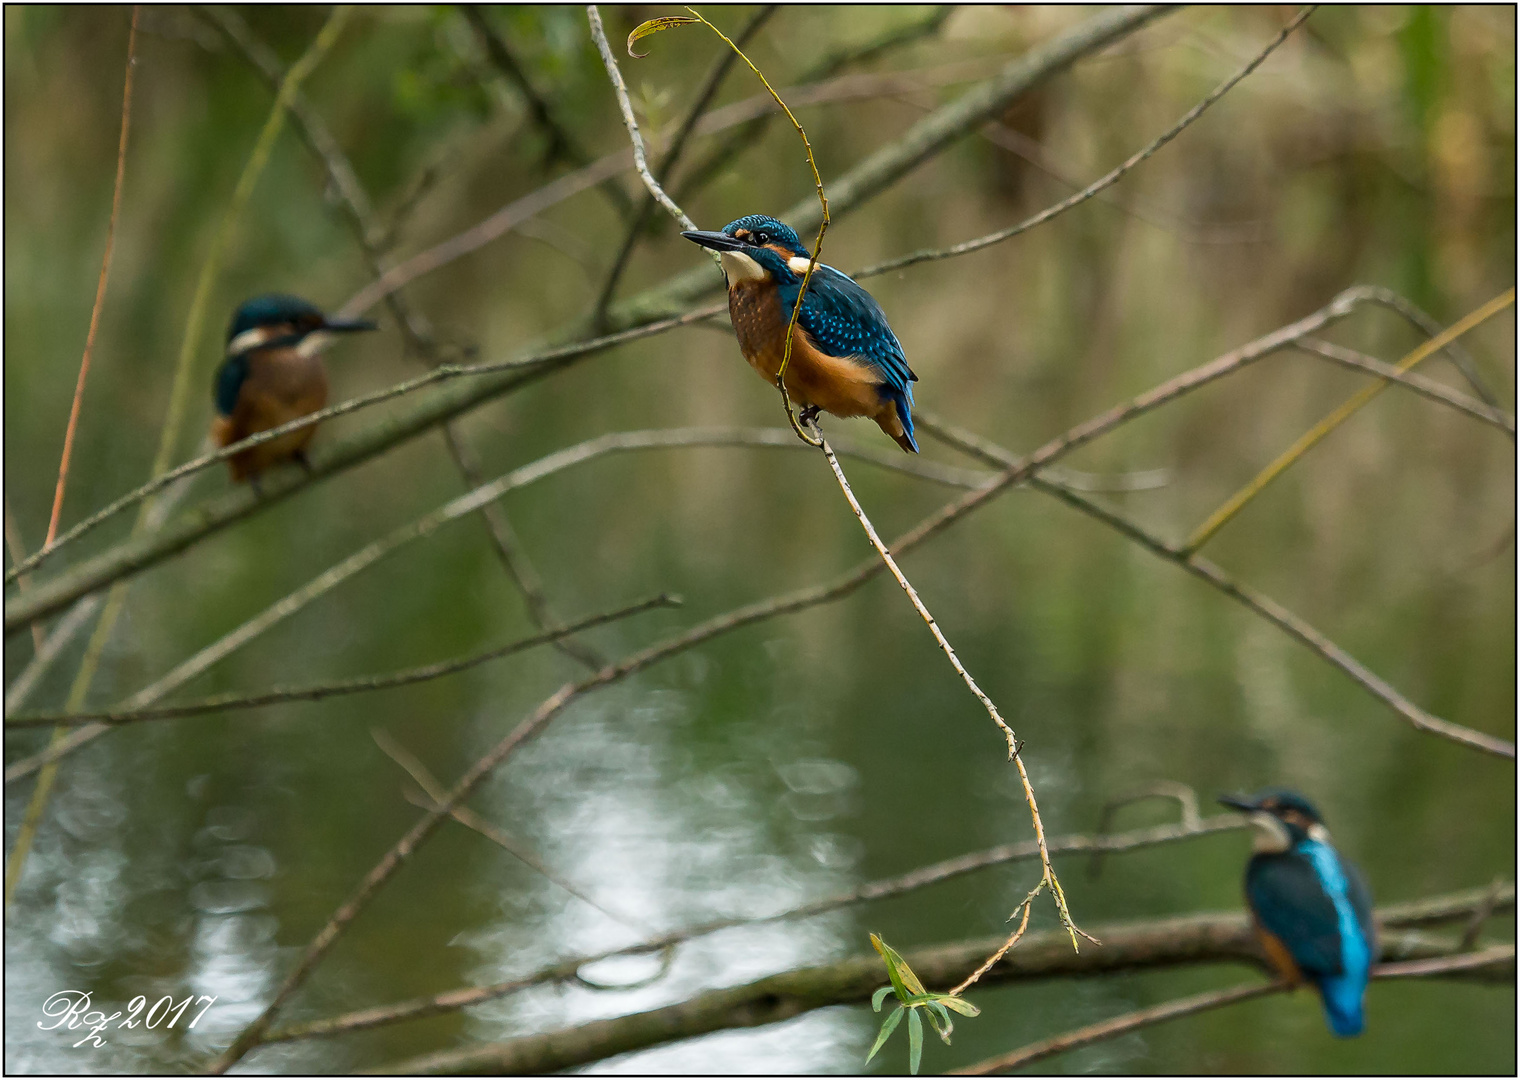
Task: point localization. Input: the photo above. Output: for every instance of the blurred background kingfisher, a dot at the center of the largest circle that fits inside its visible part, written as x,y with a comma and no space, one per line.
845,358
271,376
1311,908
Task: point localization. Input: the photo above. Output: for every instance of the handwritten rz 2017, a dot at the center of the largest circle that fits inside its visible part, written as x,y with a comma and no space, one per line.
70,1010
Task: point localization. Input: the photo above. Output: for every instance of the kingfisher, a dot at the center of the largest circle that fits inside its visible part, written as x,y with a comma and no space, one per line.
1310,906
845,358
272,375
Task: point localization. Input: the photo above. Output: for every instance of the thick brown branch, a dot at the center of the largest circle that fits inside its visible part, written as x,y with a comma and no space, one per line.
913,880
1186,940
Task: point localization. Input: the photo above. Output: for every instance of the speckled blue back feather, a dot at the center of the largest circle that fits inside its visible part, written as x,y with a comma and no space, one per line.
845,320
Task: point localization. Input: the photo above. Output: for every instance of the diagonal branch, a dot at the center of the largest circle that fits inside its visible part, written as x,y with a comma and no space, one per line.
673,151
283,694
1109,179
1261,605
1421,385
626,108
432,791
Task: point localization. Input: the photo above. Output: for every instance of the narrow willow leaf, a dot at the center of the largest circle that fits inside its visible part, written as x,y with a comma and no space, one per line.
654,26
915,1041
960,1005
887,954
878,997
943,1025
896,963
888,1026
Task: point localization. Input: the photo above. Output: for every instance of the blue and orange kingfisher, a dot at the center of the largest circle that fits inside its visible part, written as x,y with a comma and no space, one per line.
272,375
845,358
1311,909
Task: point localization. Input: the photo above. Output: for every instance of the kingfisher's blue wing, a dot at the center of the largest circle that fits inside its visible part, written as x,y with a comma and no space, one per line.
845,320
1361,902
229,382
1288,899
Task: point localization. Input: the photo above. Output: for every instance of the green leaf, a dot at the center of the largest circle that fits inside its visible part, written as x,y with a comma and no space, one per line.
938,1016
888,1026
654,26
903,979
878,997
889,955
915,1041
959,1004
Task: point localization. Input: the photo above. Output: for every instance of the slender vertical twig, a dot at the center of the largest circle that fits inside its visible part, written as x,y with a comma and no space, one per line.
178,402
673,151
1048,874
625,106
100,285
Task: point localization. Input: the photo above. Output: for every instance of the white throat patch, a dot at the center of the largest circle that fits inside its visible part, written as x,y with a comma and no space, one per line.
740,267
251,339
1268,833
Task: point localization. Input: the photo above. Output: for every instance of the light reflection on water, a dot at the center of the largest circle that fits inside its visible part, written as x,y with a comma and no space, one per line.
666,855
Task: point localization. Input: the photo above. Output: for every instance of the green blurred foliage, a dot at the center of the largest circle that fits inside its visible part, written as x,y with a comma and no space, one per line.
1377,146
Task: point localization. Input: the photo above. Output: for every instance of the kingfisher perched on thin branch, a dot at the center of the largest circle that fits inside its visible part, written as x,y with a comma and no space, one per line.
845,358
272,375
1311,908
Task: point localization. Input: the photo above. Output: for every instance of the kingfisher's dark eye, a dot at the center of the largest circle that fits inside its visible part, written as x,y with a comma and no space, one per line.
761,238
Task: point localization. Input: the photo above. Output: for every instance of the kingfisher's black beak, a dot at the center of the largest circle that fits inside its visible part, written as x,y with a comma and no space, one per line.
717,241
1239,802
345,326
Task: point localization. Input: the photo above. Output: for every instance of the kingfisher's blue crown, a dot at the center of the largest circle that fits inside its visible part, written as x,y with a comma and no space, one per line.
1276,800
762,229
273,309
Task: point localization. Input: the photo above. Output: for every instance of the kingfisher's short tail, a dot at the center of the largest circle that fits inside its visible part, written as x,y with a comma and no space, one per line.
897,421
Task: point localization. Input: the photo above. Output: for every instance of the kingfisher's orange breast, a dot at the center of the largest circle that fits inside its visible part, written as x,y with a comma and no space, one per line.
281,386
840,385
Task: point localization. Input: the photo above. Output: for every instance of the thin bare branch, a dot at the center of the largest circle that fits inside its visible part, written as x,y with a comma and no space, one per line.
677,145
276,486
1261,605
283,694
1107,180
58,639
17,551
459,507
725,153
1426,387
1454,351
1048,877
561,143
432,792
626,108
1463,963
1235,503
